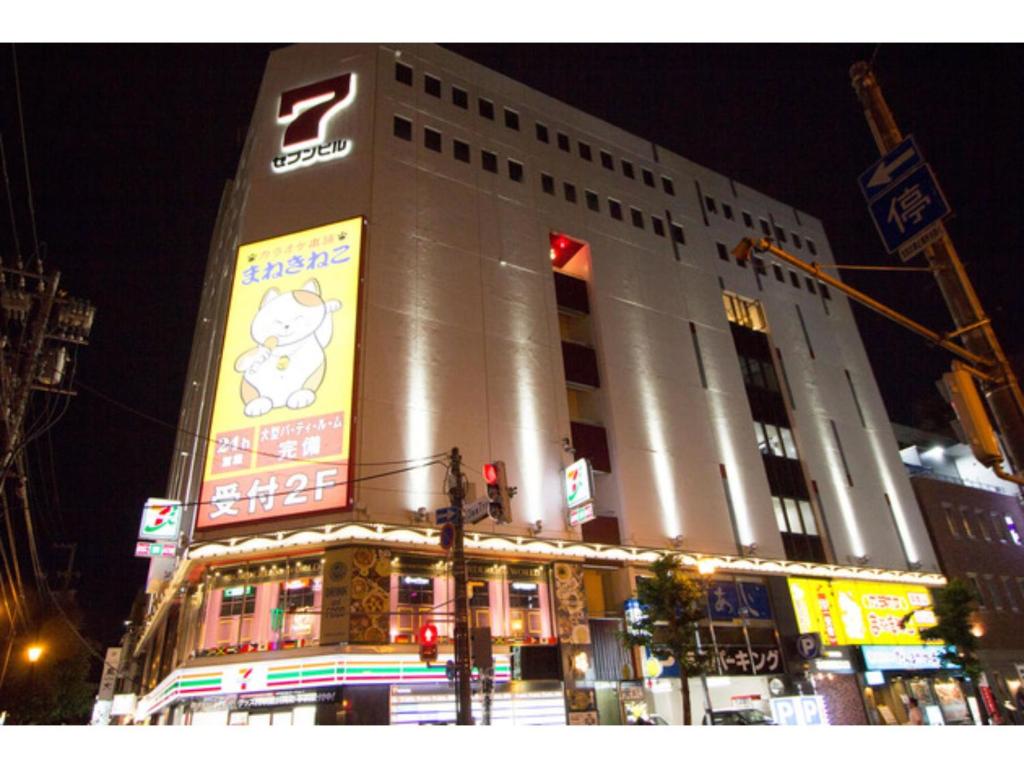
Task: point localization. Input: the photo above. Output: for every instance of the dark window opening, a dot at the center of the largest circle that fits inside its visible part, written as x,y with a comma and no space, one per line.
778,273
747,220
432,139
403,73
570,192
637,218
542,133
486,108
585,151
607,161
627,169
511,119
727,211
765,228
432,86
547,184
709,203
668,186
810,286
811,248
796,240
563,142
658,226
648,177
593,202
515,170
403,128
461,150
460,98
489,160
723,252
794,279
615,209
678,234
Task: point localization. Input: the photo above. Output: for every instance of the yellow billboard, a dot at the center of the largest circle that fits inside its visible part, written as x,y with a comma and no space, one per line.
282,414
850,612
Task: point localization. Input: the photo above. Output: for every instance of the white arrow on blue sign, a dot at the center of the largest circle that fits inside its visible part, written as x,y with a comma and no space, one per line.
899,161
445,515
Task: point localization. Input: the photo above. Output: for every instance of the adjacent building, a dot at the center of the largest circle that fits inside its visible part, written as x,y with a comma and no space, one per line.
976,523
418,253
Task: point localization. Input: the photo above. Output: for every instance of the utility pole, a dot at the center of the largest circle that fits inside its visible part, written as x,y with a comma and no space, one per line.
998,380
463,667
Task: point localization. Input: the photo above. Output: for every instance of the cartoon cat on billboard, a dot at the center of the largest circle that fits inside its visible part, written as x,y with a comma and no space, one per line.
291,330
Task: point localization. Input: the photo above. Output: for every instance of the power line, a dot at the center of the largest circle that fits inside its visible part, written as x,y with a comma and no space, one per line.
24,152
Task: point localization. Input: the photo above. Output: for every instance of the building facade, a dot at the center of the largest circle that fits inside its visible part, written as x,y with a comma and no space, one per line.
976,524
418,253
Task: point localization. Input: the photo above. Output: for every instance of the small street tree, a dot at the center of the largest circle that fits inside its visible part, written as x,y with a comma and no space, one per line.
954,605
673,601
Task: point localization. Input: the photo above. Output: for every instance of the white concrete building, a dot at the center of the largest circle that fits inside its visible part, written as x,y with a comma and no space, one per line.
762,441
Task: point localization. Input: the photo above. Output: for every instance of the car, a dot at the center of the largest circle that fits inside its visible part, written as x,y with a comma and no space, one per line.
737,717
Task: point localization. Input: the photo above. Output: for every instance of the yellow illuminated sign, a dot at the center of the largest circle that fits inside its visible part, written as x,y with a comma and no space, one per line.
849,612
282,415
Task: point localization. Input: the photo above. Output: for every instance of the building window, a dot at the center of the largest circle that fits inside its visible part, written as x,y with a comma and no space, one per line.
796,240
780,233
678,234
432,86
747,220
585,151
759,266
951,524
489,160
542,133
432,139
547,184
593,202
524,595
998,526
723,252
607,161
810,286
511,119
615,209
238,601
982,525
824,291
993,591
811,248
765,228
1011,600
486,108
744,312
727,211
515,170
794,278
570,192
298,595
775,440
648,177
965,520
973,578
403,73
637,217
778,273
403,128
415,590
759,374
460,98
668,186
709,203
461,150
658,226
627,169
563,142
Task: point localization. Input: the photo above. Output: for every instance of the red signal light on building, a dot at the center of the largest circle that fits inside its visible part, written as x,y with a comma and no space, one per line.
491,474
562,249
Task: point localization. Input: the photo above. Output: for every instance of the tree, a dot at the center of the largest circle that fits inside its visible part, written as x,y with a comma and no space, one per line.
673,601
954,605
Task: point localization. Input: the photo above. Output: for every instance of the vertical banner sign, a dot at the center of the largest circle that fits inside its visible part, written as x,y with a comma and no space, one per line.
282,415
337,596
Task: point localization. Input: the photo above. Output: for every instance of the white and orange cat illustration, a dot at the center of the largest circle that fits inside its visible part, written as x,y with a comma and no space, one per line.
287,366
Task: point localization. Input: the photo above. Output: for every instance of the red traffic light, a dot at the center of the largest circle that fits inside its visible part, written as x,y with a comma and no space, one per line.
428,634
491,474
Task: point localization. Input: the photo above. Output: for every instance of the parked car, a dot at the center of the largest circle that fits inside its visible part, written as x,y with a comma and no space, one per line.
737,717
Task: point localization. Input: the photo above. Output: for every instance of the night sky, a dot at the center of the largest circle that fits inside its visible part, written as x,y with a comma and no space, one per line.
130,146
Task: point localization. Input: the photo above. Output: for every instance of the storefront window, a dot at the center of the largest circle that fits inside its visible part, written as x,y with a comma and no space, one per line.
238,601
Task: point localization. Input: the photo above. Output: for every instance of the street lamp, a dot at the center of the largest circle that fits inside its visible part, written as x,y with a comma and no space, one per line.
34,653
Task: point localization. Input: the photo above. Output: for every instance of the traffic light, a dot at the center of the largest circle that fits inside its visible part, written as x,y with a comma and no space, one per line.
498,491
428,643
970,412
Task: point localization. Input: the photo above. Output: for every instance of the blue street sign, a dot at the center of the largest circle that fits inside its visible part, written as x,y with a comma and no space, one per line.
445,515
808,645
899,161
447,537
908,208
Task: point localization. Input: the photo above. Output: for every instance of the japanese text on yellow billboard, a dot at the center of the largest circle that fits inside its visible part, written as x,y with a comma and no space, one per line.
281,424
848,612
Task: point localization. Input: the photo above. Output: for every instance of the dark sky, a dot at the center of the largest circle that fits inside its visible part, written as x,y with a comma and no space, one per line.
130,145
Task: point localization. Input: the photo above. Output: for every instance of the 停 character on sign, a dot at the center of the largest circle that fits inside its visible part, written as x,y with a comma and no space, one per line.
287,366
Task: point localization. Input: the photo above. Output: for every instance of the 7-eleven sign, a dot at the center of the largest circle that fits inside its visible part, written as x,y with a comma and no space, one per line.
161,520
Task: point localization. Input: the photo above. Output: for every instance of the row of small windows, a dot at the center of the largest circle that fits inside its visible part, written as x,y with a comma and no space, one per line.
766,228
993,596
486,110
991,526
433,140
759,266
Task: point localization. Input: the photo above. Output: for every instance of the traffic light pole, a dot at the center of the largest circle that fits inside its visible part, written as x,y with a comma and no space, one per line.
1000,385
463,667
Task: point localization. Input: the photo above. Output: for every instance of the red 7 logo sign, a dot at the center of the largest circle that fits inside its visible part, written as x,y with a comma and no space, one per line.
307,109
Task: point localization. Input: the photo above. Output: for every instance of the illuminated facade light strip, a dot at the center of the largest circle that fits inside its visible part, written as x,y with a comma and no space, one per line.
545,548
553,549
